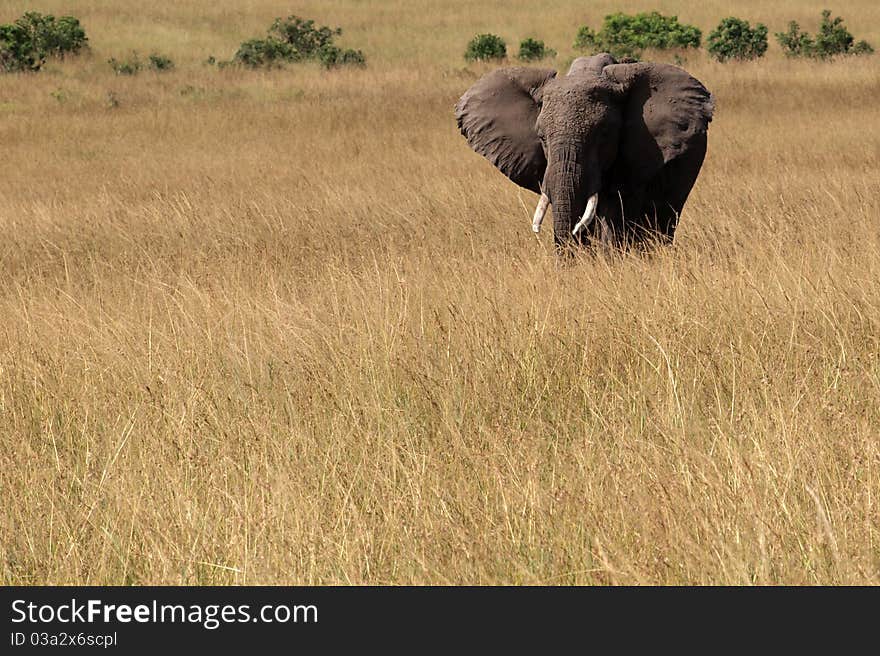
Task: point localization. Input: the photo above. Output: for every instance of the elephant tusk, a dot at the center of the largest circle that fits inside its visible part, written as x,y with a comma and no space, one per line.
540,211
589,213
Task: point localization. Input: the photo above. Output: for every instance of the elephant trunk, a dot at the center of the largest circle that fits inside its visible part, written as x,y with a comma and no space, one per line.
565,185
574,191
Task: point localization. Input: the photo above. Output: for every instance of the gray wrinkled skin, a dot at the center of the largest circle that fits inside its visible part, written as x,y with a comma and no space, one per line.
635,133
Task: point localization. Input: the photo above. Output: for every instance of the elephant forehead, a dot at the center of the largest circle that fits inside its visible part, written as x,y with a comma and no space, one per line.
577,93
575,105
568,89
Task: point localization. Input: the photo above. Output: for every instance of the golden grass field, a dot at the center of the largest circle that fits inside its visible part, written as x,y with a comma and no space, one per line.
287,328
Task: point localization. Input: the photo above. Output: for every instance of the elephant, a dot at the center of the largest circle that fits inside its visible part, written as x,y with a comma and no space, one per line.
615,148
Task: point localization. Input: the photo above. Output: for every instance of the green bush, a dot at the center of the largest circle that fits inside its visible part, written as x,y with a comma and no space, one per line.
534,50
303,39
26,44
832,39
17,52
486,47
262,53
862,48
130,66
160,63
586,39
794,42
53,37
133,65
294,39
69,37
332,56
628,35
736,39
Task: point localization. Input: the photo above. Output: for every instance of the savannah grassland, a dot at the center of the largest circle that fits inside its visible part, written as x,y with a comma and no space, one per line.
285,327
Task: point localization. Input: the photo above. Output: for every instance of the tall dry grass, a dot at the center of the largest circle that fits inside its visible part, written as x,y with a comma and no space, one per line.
287,328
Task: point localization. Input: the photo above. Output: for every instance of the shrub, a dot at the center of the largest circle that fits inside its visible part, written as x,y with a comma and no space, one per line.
130,66
794,42
262,53
294,39
53,38
486,47
587,39
69,37
832,39
628,35
862,48
25,44
332,56
534,50
736,39
160,63
133,65
302,38
17,52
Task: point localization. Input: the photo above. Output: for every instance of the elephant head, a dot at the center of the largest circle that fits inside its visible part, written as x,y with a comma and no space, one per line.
621,141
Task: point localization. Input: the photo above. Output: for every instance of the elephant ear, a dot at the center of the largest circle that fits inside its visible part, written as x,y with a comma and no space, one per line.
497,117
666,112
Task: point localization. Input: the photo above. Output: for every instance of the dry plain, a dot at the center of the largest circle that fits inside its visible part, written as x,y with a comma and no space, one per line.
285,327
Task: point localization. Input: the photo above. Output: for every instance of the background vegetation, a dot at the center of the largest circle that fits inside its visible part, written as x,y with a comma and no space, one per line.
486,47
294,39
833,38
27,41
534,50
734,38
629,35
283,326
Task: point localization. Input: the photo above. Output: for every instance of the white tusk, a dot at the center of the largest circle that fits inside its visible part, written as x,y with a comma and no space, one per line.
589,213
540,211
